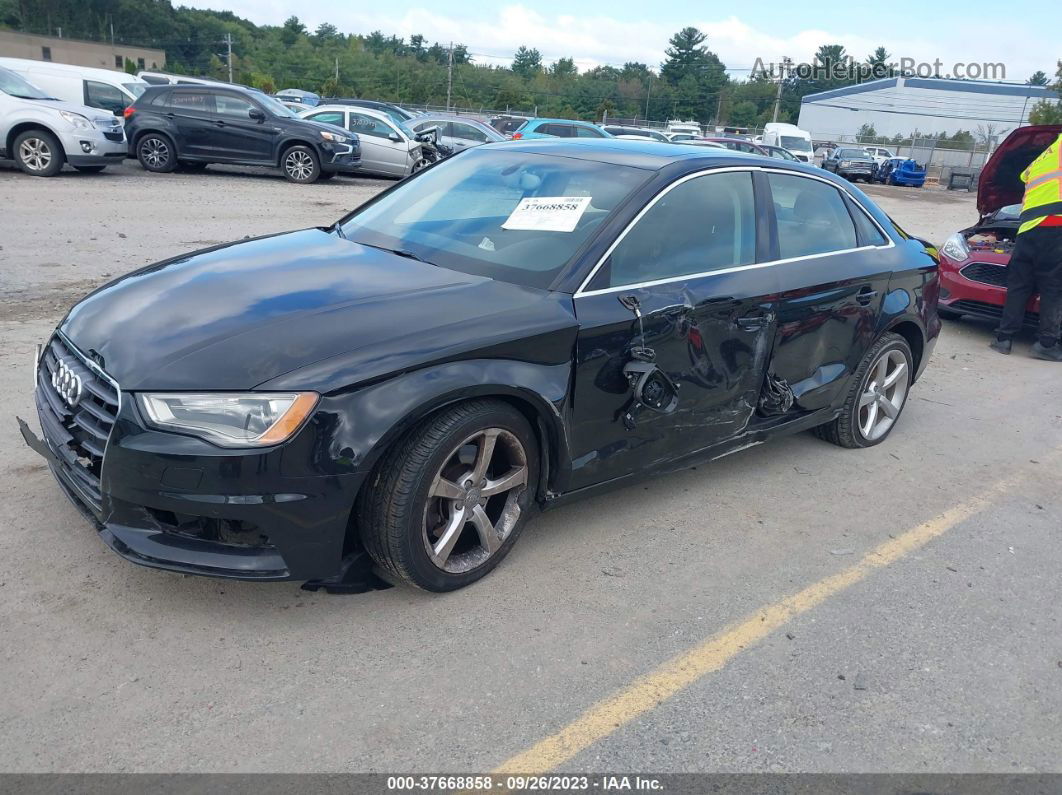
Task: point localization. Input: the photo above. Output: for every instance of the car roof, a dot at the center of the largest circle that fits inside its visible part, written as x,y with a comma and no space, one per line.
547,120
375,113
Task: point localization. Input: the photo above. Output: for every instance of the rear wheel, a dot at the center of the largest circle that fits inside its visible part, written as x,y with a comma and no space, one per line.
156,153
300,164
38,153
877,396
448,502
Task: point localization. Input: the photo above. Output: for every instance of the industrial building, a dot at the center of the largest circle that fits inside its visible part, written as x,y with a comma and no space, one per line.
97,54
917,105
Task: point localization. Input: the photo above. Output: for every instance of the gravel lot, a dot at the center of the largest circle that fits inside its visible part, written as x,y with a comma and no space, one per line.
956,646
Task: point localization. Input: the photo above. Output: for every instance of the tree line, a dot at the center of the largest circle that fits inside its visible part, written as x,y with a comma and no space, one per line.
691,83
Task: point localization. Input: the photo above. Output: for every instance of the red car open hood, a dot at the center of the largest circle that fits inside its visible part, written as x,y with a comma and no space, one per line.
1000,183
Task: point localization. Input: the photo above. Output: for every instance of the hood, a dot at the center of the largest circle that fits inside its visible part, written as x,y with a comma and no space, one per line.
101,118
320,125
1000,182
236,316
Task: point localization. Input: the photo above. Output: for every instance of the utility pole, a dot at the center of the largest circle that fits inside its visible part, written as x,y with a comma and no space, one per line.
337,72
781,82
449,76
648,93
228,42
60,29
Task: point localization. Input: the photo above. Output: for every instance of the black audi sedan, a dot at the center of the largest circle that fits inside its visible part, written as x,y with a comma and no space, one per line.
522,325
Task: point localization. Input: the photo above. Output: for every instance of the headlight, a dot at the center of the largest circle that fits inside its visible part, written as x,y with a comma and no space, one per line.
956,248
76,120
845,163
333,137
254,419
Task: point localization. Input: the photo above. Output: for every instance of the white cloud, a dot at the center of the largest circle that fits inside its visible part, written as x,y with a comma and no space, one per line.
594,39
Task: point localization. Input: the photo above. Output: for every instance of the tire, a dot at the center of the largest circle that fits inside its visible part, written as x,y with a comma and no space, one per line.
850,429
422,495
38,153
156,153
90,169
300,164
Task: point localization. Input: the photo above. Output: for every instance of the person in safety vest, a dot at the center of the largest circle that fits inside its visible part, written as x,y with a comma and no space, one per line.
1036,264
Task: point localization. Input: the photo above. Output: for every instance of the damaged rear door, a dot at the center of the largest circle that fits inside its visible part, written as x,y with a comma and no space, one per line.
689,266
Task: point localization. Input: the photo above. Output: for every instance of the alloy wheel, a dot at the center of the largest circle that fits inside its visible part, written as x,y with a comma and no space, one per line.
35,154
155,152
883,395
299,165
473,503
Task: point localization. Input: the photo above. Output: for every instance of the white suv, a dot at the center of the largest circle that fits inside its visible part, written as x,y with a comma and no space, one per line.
41,133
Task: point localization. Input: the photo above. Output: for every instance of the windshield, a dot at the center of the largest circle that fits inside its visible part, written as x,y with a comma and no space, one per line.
853,154
136,89
795,143
275,107
16,86
462,214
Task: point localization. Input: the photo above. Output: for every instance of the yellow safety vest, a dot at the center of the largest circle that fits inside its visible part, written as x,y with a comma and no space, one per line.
1043,187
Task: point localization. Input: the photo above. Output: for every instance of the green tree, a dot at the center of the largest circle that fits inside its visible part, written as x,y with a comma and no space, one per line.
563,68
1038,78
291,31
878,62
130,66
866,133
527,63
1048,111
743,114
696,74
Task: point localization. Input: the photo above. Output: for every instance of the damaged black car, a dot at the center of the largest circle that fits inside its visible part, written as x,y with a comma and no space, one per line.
507,330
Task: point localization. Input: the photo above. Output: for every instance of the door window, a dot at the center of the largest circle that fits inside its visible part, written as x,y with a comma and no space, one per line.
869,234
559,130
587,132
107,97
233,107
812,218
328,117
368,125
467,132
704,224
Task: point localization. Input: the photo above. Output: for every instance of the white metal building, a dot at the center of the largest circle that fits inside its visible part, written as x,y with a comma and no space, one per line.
906,105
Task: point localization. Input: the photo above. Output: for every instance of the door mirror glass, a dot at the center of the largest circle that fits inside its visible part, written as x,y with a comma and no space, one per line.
256,115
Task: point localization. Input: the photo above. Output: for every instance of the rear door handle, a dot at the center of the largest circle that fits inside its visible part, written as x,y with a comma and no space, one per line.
219,123
866,295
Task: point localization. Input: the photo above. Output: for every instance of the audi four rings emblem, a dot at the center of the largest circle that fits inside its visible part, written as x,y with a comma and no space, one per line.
67,383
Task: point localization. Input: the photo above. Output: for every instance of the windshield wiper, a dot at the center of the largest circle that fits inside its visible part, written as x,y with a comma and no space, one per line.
402,252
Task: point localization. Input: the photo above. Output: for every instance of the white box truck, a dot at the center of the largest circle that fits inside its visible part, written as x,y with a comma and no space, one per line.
791,138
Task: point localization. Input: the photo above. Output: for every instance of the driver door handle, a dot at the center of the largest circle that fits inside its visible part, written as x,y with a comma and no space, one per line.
752,322
866,295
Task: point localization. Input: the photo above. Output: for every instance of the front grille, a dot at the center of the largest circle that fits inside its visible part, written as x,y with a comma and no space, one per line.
986,273
77,433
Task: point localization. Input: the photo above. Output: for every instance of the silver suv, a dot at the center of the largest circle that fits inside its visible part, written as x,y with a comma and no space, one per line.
40,133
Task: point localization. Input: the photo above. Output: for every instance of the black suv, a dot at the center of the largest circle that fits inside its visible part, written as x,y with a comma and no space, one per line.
192,126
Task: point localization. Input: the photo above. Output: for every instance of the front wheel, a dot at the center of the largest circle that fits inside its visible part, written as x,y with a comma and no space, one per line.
877,396
38,153
156,153
300,164
448,502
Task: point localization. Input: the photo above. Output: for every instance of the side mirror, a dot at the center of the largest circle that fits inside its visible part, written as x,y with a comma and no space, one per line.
256,115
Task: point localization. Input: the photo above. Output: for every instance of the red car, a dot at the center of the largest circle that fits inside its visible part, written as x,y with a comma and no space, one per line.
973,262
740,145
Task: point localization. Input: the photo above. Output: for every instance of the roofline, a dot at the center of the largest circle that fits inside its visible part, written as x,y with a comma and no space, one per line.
936,83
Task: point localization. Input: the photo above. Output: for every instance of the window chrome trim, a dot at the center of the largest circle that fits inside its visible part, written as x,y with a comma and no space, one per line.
721,271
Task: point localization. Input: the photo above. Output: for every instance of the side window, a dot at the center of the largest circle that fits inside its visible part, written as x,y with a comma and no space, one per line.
106,97
562,130
191,101
328,117
368,125
705,224
868,232
812,217
467,133
587,132
233,107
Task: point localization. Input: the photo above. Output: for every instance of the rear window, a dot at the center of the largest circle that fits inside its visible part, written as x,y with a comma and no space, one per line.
463,213
812,217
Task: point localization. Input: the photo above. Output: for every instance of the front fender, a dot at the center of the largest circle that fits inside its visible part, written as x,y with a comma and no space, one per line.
369,420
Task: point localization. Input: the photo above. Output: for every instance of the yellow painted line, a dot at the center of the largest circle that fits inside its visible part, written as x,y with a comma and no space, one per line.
680,672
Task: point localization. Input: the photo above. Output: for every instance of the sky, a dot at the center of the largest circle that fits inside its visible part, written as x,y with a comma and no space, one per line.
1023,39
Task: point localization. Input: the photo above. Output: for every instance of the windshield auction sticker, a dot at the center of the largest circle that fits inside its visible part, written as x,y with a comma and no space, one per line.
548,213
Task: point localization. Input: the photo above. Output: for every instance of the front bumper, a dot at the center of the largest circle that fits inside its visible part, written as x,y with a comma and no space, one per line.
94,147
855,172
340,158
971,288
175,502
